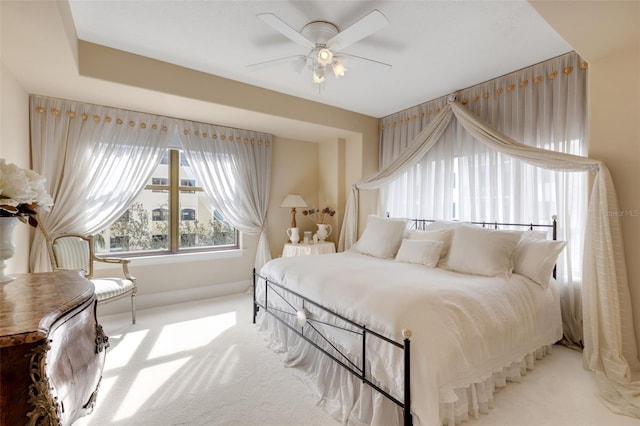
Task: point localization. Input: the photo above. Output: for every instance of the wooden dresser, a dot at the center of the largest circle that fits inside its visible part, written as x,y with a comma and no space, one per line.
52,349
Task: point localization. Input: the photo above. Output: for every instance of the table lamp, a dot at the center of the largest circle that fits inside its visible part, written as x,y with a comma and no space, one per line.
293,201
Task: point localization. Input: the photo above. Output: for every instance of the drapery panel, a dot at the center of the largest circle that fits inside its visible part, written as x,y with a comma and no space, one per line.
96,160
234,169
461,178
424,141
609,339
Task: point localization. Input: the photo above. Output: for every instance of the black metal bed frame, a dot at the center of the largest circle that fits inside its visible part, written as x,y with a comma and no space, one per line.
357,369
421,224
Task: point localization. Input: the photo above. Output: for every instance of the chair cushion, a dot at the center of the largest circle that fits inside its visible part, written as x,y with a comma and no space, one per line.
72,253
106,288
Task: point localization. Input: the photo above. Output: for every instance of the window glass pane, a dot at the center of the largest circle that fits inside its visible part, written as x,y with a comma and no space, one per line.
165,158
223,232
200,227
138,229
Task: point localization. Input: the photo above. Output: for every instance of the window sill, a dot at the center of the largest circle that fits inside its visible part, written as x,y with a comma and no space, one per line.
164,259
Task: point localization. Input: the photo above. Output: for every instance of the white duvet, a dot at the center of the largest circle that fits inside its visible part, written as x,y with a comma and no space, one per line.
465,328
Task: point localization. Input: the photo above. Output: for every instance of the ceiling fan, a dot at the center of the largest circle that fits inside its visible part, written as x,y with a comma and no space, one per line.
326,43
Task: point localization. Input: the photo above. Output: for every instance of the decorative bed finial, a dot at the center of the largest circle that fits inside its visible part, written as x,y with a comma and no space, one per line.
452,98
301,317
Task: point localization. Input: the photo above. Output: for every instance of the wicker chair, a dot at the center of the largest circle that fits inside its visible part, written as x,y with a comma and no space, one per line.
73,251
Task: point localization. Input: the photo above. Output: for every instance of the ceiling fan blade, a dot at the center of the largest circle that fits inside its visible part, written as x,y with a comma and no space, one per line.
378,64
298,61
365,26
284,29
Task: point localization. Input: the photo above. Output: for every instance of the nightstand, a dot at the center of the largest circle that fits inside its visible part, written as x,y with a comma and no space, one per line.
321,247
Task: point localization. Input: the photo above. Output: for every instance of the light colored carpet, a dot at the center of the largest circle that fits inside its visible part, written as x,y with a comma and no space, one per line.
203,363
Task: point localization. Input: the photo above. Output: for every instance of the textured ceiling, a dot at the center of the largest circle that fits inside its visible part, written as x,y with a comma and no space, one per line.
434,47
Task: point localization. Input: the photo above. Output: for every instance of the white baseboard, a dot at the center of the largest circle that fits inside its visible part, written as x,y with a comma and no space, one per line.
145,301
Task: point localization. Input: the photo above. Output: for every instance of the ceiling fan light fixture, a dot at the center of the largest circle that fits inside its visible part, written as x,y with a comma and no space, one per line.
338,69
318,75
325,57
323,38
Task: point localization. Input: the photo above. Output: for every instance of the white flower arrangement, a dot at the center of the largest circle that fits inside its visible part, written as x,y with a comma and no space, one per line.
22,192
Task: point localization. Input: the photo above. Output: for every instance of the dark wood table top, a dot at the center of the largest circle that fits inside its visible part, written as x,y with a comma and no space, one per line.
31,303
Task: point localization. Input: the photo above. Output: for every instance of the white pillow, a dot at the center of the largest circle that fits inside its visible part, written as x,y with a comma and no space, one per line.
533,235
424,252
535,259
443,224
443,235
382,237
481,251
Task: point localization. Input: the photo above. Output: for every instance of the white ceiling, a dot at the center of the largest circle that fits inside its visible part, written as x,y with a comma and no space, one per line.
435,47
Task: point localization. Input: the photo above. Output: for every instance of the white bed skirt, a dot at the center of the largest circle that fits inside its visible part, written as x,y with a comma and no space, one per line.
348,400
477,398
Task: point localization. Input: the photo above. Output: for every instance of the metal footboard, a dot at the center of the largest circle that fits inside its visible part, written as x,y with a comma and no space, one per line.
303,323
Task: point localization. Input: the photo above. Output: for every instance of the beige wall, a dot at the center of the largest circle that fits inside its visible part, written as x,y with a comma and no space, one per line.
614,126
14,148
294,170
607,35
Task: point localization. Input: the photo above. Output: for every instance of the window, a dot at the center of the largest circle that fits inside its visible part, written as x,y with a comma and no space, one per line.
161,182
188,214
188,182
159,214
169,216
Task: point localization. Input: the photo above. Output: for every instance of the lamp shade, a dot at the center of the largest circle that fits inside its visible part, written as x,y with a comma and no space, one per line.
293,201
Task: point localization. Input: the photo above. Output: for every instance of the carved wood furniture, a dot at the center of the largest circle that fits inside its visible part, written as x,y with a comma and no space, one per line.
52,349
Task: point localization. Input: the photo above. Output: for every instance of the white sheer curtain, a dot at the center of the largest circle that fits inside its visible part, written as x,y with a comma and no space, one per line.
609,340
96,160
422,143
234,169
460,178
424,190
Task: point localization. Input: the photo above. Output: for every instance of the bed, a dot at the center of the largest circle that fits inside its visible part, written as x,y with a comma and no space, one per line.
414,326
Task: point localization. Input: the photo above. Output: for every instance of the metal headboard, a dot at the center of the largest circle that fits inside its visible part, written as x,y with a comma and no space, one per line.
421,225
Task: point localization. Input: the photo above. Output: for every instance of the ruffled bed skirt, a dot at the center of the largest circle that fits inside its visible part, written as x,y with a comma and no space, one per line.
477,398
352,402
